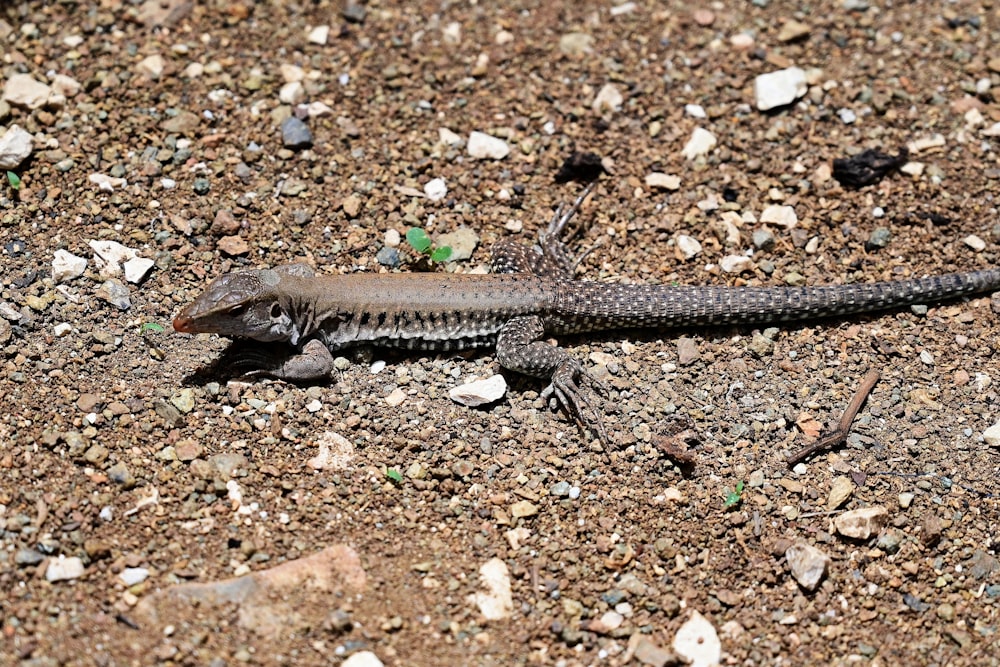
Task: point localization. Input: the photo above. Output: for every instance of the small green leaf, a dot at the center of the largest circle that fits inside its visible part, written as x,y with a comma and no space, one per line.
733,498
151,326
14,180
394,475
441,254
418,239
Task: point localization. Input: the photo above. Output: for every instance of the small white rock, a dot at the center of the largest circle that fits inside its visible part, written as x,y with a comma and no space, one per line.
483,146
497,602
292,92
396,397
314,405
905,499
697,641
695,111
62,329
107,183
66,86
736,264
64,569
319,35
23,90
136,269
992,131
503,37
15,147
110,255
688,245
131,576
151,66
776,214
623,8
974,242
335,452
452,33
700,143
860,524
480,392
436,189
992,435
67,266
925,143
318,109
392,238
612,620
776,89
448,138
663,181
362,659
913,168
609,98
808,564
291,73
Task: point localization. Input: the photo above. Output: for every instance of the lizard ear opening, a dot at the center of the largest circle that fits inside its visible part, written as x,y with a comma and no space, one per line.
276,311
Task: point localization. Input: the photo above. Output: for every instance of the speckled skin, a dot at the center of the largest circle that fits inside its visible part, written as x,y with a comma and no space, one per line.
530,294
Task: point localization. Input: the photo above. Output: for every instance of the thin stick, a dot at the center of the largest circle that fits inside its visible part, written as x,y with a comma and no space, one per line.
840,433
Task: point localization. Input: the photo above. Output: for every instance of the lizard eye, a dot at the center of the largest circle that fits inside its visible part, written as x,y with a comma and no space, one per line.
276,311
236,311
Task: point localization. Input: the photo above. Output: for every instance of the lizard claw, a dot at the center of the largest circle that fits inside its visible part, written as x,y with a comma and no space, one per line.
569,384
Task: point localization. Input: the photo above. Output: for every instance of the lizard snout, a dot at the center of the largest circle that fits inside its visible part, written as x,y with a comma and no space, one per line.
183,324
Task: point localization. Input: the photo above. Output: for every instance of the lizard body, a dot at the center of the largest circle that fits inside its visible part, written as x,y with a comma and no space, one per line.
529,295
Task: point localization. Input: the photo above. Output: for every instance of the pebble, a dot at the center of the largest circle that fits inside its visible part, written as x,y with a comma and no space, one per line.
183,400
992,435
131,576
736,264
395,397
576,44
497,603
151,66
559,489
462,241
763,239
109,256
294,93
974,242
107,183
233,246
436,189
840,490
687,351
137,268
776,214
611,620
807,564
64,569
905,500
847,116
352,206
697,641
776,89
483,146
649,653
121,475
27,557
663,181
295,134
115,293
448,138
700,143
479,392
688,245
318,35
879,238
362,659
522,509
335,452
23,90
15,147
695,111
793,30
608,98
67,266
388,257
860,524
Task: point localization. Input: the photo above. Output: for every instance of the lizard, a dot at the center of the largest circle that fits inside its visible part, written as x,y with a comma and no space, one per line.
530,295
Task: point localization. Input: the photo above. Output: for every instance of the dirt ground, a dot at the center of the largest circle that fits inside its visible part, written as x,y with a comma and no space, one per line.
153,510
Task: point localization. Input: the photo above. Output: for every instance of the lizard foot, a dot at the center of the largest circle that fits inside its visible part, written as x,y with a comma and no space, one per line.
570,385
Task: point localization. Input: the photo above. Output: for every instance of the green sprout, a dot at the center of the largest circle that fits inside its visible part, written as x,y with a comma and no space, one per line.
151,327
14,180
733,498
393,475
421,243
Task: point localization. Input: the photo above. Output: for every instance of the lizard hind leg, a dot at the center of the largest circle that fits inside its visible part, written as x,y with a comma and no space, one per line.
549,258
518,349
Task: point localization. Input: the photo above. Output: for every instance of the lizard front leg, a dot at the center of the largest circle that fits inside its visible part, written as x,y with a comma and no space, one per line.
518,349
314,362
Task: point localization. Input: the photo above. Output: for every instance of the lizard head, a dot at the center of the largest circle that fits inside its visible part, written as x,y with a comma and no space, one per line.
247,304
